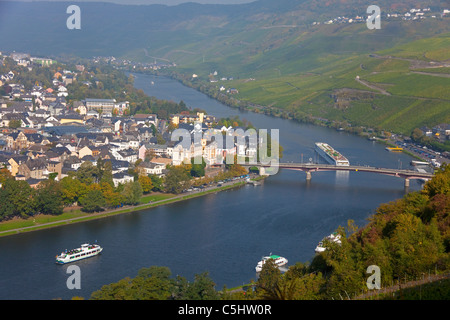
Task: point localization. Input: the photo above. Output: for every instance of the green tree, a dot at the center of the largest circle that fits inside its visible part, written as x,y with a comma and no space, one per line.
440,184
198,170
112,197
132,193
93,201
266,285
146,183
72,190
203,288
177,179
48,198
87,173
14,124
157,183
16,199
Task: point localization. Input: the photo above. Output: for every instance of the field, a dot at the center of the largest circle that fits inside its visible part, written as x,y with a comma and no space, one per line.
396,90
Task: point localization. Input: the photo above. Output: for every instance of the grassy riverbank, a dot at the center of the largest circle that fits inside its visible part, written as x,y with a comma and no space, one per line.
41,221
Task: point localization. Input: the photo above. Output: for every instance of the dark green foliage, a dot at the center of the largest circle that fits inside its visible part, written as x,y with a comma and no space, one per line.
16,199
93,201
177,179
132,193
48,198
198,170
156,283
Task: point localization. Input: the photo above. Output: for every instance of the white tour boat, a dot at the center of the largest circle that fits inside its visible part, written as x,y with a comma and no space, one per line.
86,251
334,237
279,261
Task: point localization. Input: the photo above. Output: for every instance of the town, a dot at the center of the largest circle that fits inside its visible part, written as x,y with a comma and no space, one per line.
414,14
44,136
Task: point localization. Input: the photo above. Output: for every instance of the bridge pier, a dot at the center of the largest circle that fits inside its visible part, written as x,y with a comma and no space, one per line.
262,171
308,175
406,182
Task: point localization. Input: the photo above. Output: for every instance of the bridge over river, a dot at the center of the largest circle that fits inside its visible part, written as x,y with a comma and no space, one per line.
314,167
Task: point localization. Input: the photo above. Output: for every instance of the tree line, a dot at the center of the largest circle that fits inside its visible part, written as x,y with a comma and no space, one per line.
92,188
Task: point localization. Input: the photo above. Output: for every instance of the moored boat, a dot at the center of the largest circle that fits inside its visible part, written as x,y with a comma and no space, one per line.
419,163
85,251
394,149
334,237
279,261
331,155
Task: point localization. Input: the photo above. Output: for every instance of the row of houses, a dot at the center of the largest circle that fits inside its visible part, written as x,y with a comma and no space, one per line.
440,132
42,136
35,154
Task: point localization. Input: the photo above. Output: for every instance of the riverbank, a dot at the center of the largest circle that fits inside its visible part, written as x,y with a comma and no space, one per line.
41,222
301,118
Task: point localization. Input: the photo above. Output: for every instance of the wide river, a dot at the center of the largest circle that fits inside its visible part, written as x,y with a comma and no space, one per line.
226,233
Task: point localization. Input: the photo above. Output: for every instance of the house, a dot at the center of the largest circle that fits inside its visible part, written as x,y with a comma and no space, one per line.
100,105
79,107
72,163
128,155
70,119
146,119
21,140
15,162
55,167
145,168
122,178
33,168
85,151
8,119
210,154
225,149
155,150
184,151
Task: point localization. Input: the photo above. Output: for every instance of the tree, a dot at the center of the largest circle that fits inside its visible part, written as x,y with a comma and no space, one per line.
132,193
48,198
198,170
154,283
112,198
87,173
93,201
72,190
417,134
268,279
157,183
203,288
440,184
14,124
146,183
177,179
104,170
16,199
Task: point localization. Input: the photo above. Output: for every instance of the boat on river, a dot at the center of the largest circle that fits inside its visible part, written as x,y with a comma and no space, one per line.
394,149
85,251
419,163
279,261
331,155
334,237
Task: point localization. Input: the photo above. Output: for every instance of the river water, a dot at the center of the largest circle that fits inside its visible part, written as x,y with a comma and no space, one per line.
225,233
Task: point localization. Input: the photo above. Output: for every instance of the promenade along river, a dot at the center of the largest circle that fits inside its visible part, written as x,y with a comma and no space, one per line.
226,233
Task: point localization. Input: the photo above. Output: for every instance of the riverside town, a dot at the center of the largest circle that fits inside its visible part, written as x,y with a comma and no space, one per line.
225,156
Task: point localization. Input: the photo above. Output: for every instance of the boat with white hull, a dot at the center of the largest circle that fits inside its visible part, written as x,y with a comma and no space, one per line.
331,155
334,237
279,261
85,251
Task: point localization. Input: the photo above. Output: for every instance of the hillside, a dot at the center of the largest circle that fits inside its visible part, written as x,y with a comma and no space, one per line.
296,67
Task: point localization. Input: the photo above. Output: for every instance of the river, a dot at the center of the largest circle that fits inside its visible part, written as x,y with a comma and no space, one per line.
225,233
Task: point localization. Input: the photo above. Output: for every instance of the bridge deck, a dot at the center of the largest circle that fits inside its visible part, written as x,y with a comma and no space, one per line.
312,167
